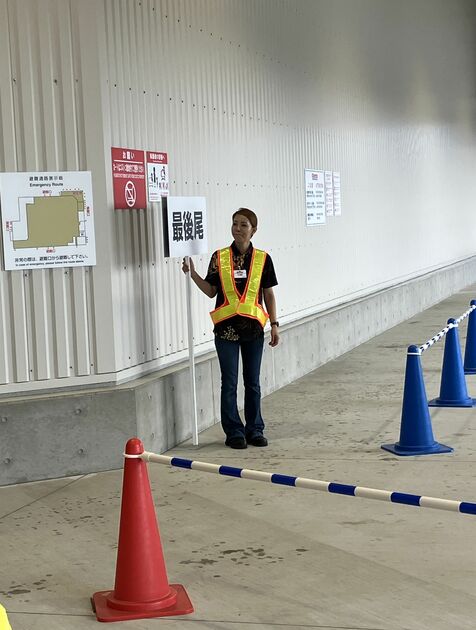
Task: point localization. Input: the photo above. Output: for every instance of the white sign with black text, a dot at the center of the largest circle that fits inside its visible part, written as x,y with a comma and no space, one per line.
157,175
315,197
337,197
186,226
329,188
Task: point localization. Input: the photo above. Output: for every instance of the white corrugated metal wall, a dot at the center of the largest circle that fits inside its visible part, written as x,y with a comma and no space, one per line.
45,314
242,95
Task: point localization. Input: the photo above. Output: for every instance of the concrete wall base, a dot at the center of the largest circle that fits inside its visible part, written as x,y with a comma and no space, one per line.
71,433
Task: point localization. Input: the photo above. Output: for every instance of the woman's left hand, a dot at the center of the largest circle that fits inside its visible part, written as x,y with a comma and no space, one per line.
274,336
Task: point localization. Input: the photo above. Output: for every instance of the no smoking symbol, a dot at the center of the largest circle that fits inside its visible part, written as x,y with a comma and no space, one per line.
130,193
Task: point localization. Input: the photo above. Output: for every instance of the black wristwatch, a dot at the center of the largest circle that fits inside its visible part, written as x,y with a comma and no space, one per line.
274,324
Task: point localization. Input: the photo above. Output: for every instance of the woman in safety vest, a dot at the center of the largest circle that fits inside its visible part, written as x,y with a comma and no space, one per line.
240,277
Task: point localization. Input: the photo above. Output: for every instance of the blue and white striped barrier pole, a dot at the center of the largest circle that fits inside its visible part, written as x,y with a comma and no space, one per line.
467,313
435,338
463,507
446,329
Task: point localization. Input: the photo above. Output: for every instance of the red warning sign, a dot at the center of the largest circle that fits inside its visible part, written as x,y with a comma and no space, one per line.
128,179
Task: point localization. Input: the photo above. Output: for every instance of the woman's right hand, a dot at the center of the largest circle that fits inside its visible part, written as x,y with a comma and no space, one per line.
186,268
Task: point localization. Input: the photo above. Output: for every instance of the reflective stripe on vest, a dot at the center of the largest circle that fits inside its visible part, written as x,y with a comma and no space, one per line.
4,624
247,305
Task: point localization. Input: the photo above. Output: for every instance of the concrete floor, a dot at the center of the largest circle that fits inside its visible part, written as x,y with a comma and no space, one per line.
254,555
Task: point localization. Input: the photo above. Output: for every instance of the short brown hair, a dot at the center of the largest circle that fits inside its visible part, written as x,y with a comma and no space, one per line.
249,214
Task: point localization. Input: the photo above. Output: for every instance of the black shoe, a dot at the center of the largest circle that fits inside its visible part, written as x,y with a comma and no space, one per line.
236,442
257,440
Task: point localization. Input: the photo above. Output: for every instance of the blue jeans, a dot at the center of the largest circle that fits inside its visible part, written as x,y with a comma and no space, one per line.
228,355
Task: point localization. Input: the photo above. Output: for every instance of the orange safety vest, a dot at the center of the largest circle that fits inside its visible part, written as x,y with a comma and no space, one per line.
247,304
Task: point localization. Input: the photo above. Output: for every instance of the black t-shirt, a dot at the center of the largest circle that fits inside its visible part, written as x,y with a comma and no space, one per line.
239,328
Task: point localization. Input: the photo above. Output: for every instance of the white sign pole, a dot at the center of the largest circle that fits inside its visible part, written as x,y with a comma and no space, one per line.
187,235
191,355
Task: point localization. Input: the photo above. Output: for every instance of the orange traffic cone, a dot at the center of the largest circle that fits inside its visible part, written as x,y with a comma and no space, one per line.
141,588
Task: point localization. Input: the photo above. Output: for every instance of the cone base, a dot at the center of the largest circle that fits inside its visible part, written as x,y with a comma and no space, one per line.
441,402
396,449
183,606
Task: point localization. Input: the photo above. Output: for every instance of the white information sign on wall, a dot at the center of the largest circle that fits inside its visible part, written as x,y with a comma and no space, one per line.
186,221
47,220
315,197
157,175
337,197
329,190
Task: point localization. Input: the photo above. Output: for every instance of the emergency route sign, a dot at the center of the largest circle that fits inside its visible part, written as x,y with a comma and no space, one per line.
128,179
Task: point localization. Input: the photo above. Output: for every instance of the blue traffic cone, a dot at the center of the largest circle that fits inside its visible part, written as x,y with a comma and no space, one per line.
453,392
416,434
470,347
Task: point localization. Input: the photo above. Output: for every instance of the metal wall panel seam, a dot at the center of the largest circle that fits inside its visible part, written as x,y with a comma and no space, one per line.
18,76
169,308
170,297
120,313
153,235
39,279
88,16
138,292
52,125
61,316
8,161
6,351
40,305
80,316
125,127
18,318
147,288
160,271
93,345
84,332
145,314
8,149
75,153
161,303
112,77
128,312
141,64
127,8
130,11
77,98
34,120
240,137
134,292
63,93
120,125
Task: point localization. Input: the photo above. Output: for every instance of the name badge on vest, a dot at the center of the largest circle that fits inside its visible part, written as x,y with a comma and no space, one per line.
240,273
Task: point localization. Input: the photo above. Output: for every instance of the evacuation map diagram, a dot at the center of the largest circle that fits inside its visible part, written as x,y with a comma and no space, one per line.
47,220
